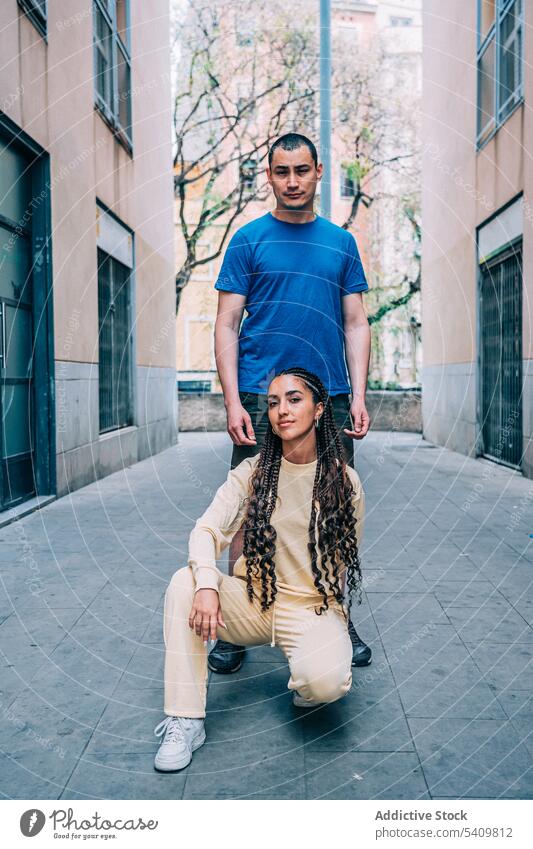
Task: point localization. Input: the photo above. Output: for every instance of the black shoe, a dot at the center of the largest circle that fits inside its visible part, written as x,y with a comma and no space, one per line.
362,654
225,657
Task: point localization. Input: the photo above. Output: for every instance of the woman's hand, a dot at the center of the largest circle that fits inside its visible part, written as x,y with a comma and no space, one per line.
206,614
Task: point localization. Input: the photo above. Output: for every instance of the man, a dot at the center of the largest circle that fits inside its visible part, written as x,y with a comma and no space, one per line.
300,278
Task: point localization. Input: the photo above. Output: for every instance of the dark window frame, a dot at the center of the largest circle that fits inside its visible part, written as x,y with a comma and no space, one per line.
120,274
501,110
401,21
110,110
36,14
249,169
346,185
43,308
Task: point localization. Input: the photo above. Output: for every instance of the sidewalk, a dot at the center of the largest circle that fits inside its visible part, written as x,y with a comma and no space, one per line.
444,711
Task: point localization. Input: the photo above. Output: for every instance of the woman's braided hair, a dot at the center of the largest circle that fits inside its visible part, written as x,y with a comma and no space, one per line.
333,524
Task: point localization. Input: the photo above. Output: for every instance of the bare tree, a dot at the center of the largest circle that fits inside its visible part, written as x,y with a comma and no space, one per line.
247,71
239,85
375,123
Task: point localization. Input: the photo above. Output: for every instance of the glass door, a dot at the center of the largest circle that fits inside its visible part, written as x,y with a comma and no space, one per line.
16,330
501,357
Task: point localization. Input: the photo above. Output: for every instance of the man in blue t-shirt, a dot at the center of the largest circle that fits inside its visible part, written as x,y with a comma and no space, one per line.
299,278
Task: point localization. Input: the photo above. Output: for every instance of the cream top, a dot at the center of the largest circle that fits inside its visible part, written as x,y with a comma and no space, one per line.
215,529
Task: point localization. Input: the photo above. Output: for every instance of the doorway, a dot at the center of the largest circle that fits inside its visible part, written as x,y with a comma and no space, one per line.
501,356
26,364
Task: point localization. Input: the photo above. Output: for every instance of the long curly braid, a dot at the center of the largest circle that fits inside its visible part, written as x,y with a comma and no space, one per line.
332,532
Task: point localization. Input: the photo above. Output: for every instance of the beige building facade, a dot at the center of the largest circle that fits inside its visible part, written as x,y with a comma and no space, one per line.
87,294
477,254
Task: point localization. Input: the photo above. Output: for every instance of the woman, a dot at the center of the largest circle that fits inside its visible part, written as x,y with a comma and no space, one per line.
301,508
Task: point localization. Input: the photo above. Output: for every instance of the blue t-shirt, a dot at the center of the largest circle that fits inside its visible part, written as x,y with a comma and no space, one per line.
294,277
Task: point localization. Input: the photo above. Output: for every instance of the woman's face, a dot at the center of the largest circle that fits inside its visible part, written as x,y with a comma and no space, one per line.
291,408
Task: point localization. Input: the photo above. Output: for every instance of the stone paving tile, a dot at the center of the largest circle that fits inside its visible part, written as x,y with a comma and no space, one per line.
469,758
127,724
514,580
122,776
27,638
77,662
14,679
154,631
145,668
20,779
394,581
247,771
399,559
456,570
358,722
407,643
472,594
364,775
518,705
497,620
504,664
42,744
436,675
447,611
525,608
59,592
493,555
121,614
405,613
64,694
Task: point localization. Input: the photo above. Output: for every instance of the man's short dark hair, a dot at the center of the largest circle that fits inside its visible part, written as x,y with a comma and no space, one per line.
292,141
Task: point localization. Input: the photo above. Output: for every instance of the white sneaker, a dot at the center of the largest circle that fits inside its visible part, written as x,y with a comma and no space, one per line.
301,702
182,737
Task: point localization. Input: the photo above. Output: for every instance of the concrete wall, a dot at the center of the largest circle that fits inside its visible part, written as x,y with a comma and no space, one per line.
387,410
462,188
55,106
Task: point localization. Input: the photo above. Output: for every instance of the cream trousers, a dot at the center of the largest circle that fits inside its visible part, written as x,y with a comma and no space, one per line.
318,648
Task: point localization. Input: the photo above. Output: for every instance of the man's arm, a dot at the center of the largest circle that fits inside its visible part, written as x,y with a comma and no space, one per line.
357,343
229,315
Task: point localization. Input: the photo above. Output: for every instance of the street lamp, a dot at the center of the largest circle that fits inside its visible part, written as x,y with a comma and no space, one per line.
325,106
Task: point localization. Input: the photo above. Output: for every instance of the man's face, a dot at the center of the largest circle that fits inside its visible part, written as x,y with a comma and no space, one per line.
293,177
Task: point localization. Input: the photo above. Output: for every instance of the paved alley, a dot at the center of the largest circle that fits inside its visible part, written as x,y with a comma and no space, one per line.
444,710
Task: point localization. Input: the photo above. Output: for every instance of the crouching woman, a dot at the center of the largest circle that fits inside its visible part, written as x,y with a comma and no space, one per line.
301,508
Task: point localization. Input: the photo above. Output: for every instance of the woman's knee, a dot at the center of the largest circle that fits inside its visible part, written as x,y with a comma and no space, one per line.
322,685
182,583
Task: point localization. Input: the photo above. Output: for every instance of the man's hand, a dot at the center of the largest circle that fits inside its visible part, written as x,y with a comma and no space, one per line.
206,614
240,425
361,419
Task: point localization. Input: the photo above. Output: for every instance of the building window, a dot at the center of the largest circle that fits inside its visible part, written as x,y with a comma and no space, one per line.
249,175
194,386
510,59
115,258
112,65
245,26
36,12
400,21
499,63
114,343
347,187
244,96
347,35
